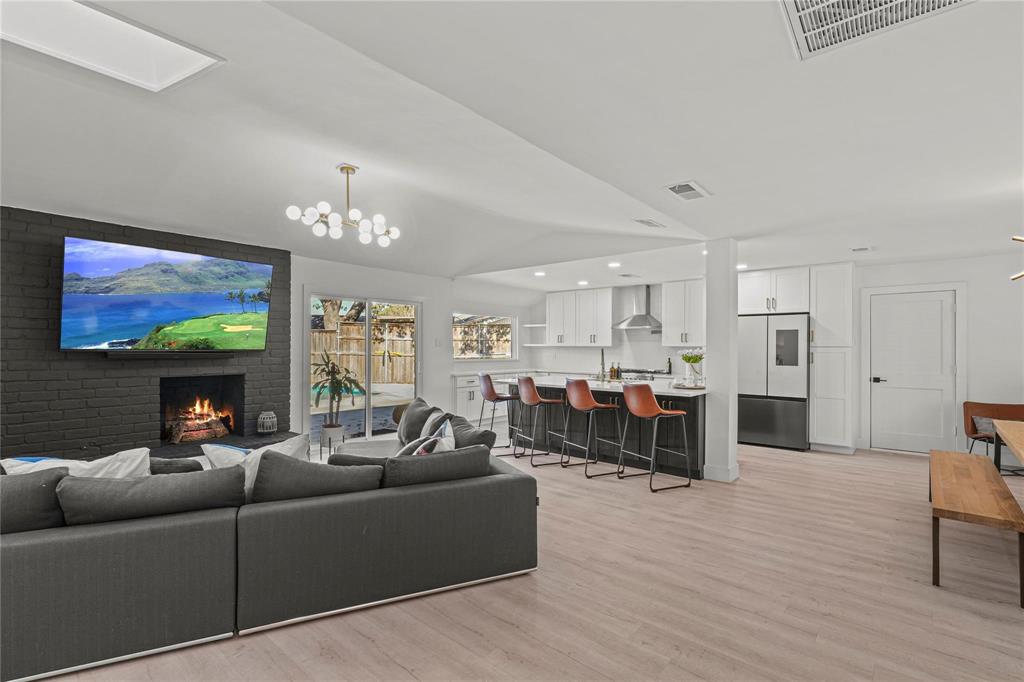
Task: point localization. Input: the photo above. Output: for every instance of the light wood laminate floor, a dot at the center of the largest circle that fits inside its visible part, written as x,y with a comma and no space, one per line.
812,566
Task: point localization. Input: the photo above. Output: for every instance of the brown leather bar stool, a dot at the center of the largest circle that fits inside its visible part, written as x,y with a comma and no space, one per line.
490,395
642,404
530,398
581,399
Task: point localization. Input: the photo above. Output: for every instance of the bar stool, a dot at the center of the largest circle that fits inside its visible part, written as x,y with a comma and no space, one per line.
642,404
581,399
529,397
490,395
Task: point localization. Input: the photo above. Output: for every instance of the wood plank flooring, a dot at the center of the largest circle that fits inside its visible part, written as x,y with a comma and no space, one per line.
812,566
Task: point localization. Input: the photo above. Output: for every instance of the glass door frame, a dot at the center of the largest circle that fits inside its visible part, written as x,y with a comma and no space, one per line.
307,342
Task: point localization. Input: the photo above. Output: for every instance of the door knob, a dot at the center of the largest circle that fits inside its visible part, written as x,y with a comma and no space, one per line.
877,380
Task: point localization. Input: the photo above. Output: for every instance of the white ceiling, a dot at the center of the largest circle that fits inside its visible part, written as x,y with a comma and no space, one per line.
503,136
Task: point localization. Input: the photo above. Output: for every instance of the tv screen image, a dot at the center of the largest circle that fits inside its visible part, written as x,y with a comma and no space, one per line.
127,297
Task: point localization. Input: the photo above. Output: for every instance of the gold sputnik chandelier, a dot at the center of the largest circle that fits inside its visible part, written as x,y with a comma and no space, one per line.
324,221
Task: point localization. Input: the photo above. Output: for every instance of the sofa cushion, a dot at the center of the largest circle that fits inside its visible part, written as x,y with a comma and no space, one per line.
346,459
228,456
178,465
124,464
95,500
415,416
441,466
466,434
378,447
29,501
284,478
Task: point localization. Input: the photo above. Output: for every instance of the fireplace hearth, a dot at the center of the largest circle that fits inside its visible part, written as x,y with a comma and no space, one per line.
197,408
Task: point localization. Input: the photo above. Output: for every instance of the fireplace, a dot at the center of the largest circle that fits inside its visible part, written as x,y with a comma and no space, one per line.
196,408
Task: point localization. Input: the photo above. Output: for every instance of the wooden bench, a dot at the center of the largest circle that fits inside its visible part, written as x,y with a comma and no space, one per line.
969,488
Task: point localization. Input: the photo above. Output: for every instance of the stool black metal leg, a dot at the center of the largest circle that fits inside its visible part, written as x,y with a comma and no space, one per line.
619,473
566,443
654,453
597,448
547,440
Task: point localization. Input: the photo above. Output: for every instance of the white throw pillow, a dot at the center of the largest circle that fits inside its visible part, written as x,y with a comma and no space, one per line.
125,464
222,456
445,436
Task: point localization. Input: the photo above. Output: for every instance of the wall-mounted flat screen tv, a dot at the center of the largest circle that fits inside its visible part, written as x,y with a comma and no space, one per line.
122,297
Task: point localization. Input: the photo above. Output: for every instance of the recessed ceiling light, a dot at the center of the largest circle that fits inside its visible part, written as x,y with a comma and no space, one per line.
539,273
92,38
583,283
704,252
615,264
741,266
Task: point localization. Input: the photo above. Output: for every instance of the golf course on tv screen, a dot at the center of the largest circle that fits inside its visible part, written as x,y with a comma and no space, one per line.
126,297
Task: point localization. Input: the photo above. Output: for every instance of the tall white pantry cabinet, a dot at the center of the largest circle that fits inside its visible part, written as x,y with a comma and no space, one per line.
831,348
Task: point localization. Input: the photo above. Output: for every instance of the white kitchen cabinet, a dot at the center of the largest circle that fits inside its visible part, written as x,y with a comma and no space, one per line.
561,312
774,291
468,400
831,404
683,313
831,299
580,318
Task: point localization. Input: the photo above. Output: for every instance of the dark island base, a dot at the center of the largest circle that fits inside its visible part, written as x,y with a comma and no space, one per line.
171,451
638,438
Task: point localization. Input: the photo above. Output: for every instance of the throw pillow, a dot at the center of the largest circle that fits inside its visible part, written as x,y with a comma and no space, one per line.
984,425
441,466
445,436
29,502
96,500
228,456
413,447
466,434
180,465
411,425
284,478
435,421
124,464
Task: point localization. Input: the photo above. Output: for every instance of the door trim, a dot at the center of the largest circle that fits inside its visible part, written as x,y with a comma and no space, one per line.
959,289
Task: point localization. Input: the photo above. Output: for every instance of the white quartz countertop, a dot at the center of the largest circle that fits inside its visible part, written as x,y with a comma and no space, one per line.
661,387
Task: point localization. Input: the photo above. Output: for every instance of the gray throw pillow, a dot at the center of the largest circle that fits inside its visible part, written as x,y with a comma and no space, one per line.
440,466
415,417
466,434
96,500
29,501
281,477
984,425
347,460
161,465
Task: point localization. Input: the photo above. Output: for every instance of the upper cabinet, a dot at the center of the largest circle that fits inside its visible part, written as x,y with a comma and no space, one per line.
786,290
579,318
832,305
683,313
594,317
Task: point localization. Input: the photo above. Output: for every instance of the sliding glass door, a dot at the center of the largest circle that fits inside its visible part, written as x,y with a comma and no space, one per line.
362,365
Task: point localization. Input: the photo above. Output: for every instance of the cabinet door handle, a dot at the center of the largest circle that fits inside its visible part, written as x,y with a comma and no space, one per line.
774,307
768,303
812,357
812,339
680,337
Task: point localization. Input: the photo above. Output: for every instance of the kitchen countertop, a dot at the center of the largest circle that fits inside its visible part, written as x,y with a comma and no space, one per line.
662,387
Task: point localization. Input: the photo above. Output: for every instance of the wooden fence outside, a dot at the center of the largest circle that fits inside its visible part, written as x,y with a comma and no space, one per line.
394,351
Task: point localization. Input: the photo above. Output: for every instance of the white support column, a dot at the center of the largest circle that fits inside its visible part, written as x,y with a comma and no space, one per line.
721,362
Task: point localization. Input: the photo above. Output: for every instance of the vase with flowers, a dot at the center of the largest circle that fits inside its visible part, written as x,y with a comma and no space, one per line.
695,361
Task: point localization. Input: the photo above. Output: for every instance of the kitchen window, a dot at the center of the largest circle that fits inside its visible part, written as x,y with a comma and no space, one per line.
483,337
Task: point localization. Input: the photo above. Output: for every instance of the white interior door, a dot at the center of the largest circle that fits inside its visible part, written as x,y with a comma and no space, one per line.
913,371
753,355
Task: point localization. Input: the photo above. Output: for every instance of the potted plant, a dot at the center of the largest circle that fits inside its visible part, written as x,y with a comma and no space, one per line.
336,382
694,361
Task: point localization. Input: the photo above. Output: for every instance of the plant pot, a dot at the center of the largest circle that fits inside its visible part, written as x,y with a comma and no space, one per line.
334,435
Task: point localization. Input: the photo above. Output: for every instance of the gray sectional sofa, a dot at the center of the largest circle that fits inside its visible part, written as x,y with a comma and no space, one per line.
83,595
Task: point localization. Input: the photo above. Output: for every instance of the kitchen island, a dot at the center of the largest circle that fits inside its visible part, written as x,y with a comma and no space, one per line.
670,431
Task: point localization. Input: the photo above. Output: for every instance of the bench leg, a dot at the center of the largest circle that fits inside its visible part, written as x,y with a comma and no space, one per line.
935,550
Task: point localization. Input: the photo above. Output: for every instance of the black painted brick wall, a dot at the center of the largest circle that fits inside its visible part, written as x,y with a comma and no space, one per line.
84,404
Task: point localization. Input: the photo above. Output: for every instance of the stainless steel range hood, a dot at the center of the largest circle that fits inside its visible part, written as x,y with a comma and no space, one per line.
641,317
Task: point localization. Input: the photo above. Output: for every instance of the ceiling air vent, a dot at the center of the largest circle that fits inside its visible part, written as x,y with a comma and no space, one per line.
648,222
688,190
823,25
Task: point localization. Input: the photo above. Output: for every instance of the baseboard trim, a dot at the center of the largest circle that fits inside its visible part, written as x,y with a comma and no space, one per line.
335,612
126,657
833,449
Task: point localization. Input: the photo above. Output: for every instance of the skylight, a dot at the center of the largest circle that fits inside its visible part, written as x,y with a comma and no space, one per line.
90,38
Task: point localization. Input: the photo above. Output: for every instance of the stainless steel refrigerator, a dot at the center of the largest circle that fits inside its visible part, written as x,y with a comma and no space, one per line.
774,380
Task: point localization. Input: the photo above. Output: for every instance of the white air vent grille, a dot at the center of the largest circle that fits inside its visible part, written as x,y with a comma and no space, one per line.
688,190
822,25
648,222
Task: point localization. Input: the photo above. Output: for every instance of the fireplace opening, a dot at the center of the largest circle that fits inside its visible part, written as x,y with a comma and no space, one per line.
199,408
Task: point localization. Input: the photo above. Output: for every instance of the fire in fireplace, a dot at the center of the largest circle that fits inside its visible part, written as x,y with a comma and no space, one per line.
200,408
